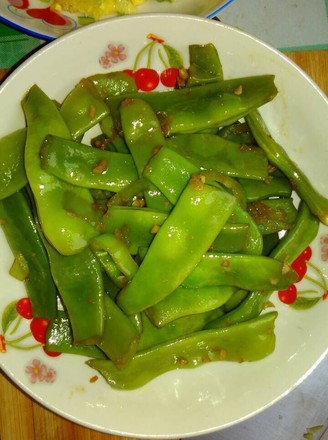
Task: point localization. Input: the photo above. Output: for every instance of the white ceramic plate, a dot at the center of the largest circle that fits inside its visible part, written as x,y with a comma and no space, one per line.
189,402
35,18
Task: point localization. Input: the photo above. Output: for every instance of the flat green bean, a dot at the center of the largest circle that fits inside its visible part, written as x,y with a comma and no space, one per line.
245,342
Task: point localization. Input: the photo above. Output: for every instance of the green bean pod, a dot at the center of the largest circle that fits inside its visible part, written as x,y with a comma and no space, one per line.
152,335
232,238
236,299
317,203
289,248
12,170
273,215
238,132
118,251
68,234
249,272
211,152
130,194
293,243
81,165
79,281
212,111
270,241
250,308
183,302
205,65
188,232
143,136
120,336
160,101
254,243
142,131
170,172
111,268
274,186
245,342
136,227
59,338
112,83
83,108
18,224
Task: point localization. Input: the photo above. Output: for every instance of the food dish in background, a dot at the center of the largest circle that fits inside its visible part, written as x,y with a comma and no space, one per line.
217,395
38,19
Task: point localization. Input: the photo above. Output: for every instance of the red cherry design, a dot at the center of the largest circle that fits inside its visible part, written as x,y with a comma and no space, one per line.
146,79
24,308
300,268
129,72
169,76
38,328
307,253
19,4
48,15
289,295
299,264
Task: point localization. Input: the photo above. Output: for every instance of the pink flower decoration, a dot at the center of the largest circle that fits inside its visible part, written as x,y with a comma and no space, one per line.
39,372
116,53
324,253
50,375
324,239
113,55
36,371
105,62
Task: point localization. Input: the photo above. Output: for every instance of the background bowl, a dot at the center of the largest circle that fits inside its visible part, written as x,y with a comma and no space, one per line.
35,18
217,395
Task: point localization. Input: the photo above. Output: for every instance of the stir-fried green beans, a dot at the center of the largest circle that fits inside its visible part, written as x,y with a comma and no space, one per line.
12,170
248,341
163,236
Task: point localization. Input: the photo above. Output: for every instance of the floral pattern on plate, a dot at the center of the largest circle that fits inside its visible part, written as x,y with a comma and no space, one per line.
38,371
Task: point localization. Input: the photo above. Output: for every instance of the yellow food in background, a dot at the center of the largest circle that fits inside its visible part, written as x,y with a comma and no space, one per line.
97,8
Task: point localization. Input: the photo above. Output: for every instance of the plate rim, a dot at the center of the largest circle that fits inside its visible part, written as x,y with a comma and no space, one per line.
163,15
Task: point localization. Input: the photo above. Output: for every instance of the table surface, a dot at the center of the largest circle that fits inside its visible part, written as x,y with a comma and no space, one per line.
21,418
